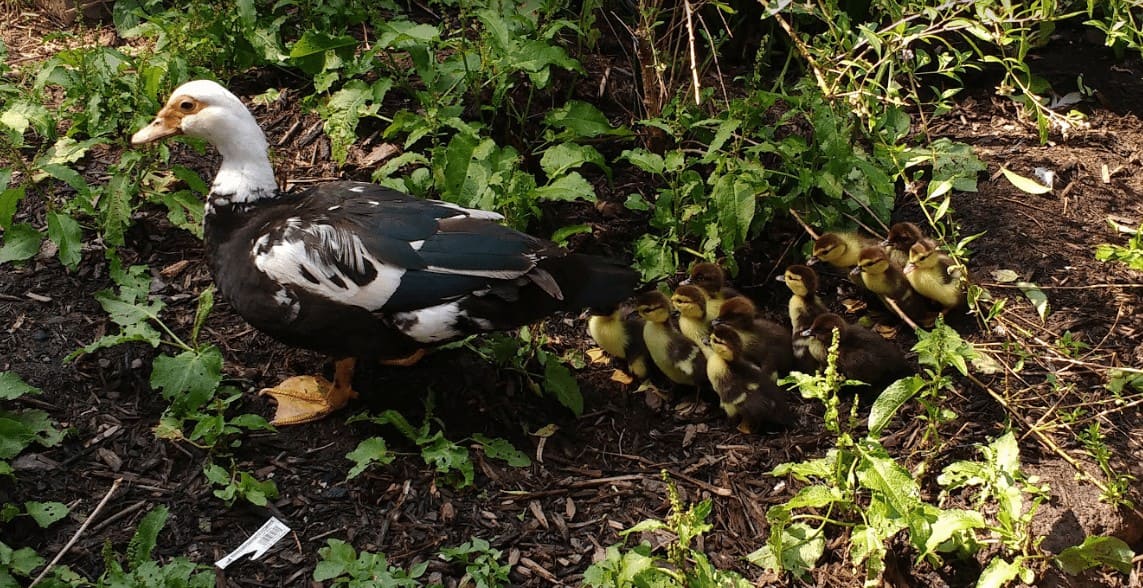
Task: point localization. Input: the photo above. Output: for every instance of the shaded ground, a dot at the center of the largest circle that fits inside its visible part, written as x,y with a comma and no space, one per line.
597,474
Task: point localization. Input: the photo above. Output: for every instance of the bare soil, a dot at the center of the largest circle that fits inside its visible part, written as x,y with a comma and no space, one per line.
599,473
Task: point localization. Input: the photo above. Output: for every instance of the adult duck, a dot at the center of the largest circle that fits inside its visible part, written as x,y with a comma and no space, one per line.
355,270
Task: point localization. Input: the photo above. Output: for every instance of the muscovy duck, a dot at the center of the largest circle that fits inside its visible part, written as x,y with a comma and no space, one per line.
356,270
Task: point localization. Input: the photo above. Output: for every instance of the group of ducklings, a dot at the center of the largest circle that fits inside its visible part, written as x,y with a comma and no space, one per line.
906,268
719,341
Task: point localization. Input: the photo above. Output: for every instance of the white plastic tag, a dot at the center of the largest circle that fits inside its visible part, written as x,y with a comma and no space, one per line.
258,543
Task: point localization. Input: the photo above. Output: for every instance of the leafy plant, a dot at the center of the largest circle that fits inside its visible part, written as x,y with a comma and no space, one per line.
481,563
1118,484
684,565
234,484
1130,254
340,563
21,428
136,568
519,353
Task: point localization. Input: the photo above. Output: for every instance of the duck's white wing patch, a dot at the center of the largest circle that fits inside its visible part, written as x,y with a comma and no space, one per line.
328,262
437,323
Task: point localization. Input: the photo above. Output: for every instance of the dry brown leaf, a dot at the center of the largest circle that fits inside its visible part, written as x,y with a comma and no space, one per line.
597,355
622,377
853,305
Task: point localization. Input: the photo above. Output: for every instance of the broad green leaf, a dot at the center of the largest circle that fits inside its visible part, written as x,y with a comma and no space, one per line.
9,199
401,34
448,457
22,561
559,159
882,474
1025,184
68,176
867,546
948,523
647,161
12,386
998,573
1094,551
188,379
18,430
890,401
736,203
821,468
801,547
581,120
498,448
64,231
46,513
567,188
1007,453
1037,297
368,452
814,496
21,241
559,382
316,52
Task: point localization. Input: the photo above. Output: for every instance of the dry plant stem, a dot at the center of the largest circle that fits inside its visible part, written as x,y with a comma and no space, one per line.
809,230
79,531
691,46
805,53
892,304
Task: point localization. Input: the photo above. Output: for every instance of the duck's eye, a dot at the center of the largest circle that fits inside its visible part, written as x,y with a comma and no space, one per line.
186,106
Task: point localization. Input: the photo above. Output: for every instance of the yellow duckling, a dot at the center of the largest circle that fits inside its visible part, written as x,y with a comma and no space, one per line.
886,279
764,342
934,275
840,249
862,354
690,301
712,280
804,307
679,358
745,391
621,337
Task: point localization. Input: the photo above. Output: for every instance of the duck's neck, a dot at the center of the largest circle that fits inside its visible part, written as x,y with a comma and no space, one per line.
245,176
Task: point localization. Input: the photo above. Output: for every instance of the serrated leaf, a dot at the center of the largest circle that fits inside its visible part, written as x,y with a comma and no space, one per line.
447,457
12,386
801,548
498,448
559,382
1037,297
46,513
890,401
188,379
368,452
1094,551
21,241
647,161
559,159
884,475
1025,184
567,188
64,231
581,120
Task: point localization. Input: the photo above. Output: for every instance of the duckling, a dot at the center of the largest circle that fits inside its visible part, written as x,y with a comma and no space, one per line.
693,323
805,306
679,358
901,238
712,280
745,391
884,278
840,249
622,337
862,354
764,342
934,275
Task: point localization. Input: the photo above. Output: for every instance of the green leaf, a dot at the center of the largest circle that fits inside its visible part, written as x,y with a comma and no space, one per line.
22,561
205,304
448,457
46,513
890,401
883,475
560,237
581,120
21,241
367,453
948,523
9,199
801,548
11,386
188,379
1094,551
647,161
64,231
559,382
998,573
1037,297
1025,184
567,188
735,202
498,448
559,159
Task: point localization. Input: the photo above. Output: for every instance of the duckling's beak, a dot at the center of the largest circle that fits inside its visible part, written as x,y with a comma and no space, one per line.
807,333
686,282
675,313
716,321
780,279
706,341
909,268
855,271
812,260
886,243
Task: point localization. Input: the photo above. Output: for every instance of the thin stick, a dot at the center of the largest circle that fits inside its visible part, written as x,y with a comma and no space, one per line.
691,40
808,229
78,532
892,304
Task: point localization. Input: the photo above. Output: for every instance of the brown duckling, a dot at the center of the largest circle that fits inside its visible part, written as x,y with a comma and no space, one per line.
886,279
862,354
901,237
679,358
934,275
745,391
805,306
690,301
712,280
622,337
764,342
840,249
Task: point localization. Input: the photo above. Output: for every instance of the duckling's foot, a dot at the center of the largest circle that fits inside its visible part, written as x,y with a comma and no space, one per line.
744,427
410,360
304,399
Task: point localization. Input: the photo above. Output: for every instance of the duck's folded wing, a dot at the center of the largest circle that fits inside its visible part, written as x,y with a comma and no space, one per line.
385,251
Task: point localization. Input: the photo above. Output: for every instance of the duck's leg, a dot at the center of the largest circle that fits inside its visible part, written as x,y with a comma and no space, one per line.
407,361
304,399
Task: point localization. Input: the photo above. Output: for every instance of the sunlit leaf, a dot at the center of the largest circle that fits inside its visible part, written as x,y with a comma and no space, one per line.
1025,184
1094,551
1037,297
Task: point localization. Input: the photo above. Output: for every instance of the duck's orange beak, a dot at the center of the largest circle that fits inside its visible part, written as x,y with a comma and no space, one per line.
166,123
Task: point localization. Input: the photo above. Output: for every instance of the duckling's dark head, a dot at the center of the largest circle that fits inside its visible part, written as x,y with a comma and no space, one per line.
873,260
823,327
801,280
725,342
828,246
923,253
706,275
653,306
902,236
690,301
737,312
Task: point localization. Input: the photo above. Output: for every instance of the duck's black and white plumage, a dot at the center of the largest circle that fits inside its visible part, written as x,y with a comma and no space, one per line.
353,269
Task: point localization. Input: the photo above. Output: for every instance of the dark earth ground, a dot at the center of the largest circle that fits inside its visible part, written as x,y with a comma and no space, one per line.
597,474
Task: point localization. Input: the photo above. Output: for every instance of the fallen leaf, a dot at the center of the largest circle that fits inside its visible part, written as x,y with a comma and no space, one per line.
622,377
597,355
1025,184
1037,297
886,331
853,305
1004,276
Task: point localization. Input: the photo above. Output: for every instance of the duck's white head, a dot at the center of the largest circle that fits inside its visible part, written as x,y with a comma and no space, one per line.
205,109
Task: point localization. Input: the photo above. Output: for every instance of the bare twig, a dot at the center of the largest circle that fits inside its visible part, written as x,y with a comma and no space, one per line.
79,531
691,46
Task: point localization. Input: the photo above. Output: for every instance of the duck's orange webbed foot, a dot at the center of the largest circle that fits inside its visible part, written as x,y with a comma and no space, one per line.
410,360
304,399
